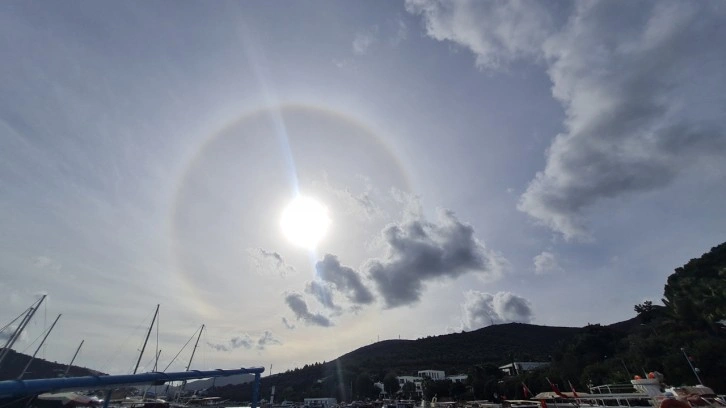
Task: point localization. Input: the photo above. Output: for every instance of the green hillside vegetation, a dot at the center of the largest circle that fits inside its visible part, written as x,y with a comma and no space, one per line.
691,323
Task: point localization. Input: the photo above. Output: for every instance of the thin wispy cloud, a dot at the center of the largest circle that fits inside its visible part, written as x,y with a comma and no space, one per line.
270,262
246,341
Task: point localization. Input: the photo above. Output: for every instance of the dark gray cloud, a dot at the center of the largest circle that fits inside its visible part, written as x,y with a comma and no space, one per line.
297,304
484,309
217,346
267,339
270,262
247,342
287,324
344,279
322,293
419,251
644,108
241,341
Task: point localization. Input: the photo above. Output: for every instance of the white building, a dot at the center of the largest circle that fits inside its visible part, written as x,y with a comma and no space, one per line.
432,374
519,367
458,378
417,381
320,402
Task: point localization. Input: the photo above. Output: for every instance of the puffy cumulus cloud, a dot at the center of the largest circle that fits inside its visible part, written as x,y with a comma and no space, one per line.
270,262
642,84
322,293
247,342
482,309
297,305
546,262
419,251
344,279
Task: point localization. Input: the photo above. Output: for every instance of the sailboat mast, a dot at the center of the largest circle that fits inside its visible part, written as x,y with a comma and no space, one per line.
16,335
201,329
39,347
146,339
65,374
195,347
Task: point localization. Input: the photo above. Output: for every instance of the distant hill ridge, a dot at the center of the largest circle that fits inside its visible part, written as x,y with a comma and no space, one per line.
14,363
454,353
459,351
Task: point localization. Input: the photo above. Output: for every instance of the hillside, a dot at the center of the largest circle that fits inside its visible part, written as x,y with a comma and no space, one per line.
453,353
39,368
457,352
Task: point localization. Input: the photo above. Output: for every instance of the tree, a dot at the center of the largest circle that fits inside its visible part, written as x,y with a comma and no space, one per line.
457,389
390,383
409,389
364,387
695,294
645,311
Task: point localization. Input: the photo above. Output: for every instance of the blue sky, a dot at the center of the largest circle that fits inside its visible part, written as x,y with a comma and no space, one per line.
481,163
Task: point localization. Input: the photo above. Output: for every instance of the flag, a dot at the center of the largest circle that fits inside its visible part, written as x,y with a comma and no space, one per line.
527,392
574,393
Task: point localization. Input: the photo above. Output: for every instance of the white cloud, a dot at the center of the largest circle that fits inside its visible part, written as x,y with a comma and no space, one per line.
497,32
546,262
642,85
482,309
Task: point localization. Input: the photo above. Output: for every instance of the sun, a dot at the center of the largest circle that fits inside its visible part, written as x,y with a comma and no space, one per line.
305,221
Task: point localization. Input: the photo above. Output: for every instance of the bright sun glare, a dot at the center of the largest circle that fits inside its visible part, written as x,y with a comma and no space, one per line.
305,222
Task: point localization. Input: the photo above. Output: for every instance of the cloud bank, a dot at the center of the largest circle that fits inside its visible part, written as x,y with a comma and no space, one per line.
642,85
